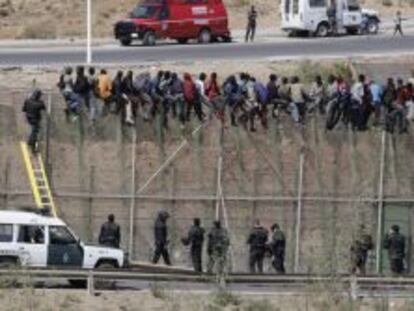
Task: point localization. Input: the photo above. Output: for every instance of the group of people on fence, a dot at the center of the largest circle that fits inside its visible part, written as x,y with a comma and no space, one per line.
242,98
261,245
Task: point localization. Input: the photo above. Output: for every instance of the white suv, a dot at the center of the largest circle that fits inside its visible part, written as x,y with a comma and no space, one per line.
33,240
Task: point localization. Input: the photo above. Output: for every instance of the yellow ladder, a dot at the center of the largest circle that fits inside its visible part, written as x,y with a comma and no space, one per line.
38,179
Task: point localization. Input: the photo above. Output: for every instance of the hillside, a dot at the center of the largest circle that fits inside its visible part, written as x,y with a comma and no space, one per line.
66,18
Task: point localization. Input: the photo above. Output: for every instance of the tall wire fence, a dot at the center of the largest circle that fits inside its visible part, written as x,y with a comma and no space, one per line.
319,186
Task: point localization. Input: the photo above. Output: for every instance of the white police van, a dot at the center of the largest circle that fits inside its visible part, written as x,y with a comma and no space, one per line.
33,240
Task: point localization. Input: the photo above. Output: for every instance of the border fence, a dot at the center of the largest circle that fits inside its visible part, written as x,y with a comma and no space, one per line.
319,186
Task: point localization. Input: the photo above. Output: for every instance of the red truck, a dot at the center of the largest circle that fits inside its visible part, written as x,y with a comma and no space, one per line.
181,20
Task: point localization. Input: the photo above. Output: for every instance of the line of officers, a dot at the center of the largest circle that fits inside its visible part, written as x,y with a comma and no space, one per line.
260,245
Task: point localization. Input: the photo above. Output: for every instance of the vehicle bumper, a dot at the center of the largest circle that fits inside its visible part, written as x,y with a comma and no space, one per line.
123,30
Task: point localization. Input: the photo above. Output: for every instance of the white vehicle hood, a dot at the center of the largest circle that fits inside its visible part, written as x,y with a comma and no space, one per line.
370,12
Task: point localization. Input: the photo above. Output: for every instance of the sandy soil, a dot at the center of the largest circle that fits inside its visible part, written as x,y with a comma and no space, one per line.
66,18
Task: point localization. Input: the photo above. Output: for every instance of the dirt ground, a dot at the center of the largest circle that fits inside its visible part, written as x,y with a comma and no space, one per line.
66,18
22,300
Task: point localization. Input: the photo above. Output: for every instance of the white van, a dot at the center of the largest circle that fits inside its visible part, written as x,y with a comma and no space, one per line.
311,16
33,240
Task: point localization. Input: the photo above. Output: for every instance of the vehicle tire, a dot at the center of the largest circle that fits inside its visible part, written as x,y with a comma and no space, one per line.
9,262
125,42
149,38
204,36
322,31
104,283
372,27
182,40
226,39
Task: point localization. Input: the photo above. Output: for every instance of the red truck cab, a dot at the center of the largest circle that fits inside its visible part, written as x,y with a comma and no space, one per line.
181,20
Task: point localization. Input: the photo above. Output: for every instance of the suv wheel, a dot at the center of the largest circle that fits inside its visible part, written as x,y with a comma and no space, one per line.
149,38
322,31
126,42
8,262
204,36
372,26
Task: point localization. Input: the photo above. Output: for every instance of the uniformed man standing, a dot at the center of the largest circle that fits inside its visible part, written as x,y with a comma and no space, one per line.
359,251
332,18
278,246
394,242
257,240
33,107
195,237
251,24
398,24
217,247
110,234
161,238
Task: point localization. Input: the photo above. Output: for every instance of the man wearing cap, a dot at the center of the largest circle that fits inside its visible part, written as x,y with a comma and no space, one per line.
394,242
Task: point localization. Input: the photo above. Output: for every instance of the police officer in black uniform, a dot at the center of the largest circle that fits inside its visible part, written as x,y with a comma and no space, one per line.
277,247
394,242
33,107
257,241
161,238
110,234
195,237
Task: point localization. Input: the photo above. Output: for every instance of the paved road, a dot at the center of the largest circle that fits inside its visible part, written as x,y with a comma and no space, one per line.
282,48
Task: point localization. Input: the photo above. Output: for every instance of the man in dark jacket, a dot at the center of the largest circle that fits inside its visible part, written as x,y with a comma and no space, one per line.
81,86
33,107
257,241
217,247
110,234
278,246
251,24
195,237
394,242
161,238
359,251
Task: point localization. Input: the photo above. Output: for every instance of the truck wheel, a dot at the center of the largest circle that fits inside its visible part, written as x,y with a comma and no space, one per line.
372,27
105,265
322,31
182,40
149,38
126,42
9,262
204,36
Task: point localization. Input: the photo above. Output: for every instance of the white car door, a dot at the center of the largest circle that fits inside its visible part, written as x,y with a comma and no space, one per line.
31,243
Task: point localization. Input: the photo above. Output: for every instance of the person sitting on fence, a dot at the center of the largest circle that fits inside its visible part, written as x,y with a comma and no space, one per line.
104,87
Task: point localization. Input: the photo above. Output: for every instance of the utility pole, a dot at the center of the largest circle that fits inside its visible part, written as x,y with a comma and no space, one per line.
89,32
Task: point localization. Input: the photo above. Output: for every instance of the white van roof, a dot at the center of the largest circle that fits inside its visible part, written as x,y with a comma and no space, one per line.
28,218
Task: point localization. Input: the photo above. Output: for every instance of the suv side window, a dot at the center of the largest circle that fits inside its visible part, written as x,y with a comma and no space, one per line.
6,233
31,234
60,235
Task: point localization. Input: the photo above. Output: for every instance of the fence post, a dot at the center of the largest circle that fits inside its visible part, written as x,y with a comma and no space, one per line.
90,202
299,211
380,201
132,201
47,136
6,183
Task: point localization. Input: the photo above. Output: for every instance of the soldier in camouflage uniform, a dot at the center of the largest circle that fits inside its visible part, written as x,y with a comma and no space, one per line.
394,242
217,247
277,247
257,241
195,237
360,247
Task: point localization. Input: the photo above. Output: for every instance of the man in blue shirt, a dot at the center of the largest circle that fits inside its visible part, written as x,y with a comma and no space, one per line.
377,93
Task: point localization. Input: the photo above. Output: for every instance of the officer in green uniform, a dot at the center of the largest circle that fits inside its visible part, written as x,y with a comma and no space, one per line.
217,248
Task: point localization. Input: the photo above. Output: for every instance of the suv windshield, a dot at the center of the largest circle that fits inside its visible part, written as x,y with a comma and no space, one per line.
60,235
144,11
